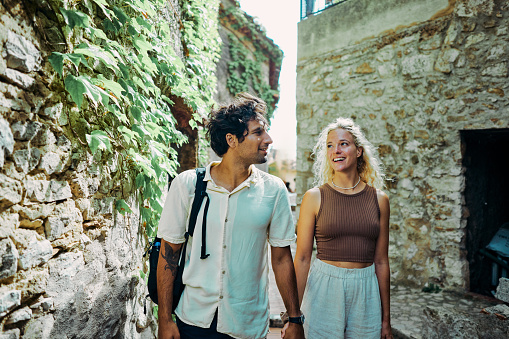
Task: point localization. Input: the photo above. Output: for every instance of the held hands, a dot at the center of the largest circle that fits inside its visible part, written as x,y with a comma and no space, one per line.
292,331
168,330
386,330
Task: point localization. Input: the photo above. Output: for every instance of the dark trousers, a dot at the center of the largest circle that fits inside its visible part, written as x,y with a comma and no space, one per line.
194,332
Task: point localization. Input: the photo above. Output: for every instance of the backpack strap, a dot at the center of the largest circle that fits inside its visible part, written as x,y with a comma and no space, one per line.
199,194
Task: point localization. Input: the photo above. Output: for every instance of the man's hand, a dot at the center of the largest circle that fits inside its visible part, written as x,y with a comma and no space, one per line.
168,330
292,331
386,330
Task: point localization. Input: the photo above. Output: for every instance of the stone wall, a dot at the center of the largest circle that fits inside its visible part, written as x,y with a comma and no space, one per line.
413,81
69,263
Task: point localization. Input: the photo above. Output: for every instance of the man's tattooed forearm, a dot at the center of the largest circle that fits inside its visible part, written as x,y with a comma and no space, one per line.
171,259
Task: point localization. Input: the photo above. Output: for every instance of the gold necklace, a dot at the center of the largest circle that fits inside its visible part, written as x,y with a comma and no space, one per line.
346,188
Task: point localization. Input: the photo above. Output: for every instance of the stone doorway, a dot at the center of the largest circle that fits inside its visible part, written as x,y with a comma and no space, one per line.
486,170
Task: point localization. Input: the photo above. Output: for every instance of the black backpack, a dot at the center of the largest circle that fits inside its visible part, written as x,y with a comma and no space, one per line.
155,246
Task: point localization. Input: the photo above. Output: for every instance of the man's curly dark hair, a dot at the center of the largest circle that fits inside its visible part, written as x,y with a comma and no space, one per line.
233,118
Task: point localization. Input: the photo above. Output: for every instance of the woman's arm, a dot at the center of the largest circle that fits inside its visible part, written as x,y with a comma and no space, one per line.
382,269
305,233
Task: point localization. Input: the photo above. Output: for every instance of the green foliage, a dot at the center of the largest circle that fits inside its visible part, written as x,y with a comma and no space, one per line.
245,70
121,72
245,66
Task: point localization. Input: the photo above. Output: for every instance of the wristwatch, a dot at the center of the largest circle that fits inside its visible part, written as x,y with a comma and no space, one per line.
297,320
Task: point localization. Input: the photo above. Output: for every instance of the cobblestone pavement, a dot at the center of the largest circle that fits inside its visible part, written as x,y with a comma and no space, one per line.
407,308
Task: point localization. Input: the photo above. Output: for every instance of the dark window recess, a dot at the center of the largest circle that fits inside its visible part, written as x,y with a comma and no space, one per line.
486,169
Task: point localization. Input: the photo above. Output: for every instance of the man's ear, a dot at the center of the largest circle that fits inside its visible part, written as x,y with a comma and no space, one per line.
232,140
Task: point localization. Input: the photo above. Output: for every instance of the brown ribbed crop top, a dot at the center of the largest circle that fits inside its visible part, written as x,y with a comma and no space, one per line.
347,226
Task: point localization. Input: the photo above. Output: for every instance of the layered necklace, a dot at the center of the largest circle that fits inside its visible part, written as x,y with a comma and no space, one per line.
346,188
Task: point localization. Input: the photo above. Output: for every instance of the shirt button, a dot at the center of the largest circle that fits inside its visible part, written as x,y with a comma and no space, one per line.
223,272
224,246
220,297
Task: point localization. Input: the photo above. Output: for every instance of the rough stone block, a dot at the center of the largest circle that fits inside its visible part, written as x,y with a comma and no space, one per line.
63,143
19,79
44,304
37,253
21,53
10,191
498,70
54,227
445,60
47,191
9,222
441,322
19,315
34,212
65,215
503,290
54,112
51,162
39,328
11,334
44,137
8,301
8,258
474,39
63,268
6,141
27,160
418,65
30,224
25,131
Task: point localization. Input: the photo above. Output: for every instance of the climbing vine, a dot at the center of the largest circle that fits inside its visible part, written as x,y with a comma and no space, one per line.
122,72
244,68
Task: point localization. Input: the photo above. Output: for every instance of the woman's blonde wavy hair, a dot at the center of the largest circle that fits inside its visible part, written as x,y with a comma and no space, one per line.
368,165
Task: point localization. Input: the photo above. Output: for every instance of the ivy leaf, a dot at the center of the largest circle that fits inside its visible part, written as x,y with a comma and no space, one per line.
113,86
76,89
98,52
75,18
57,61
103,4
78,59
193,124
127,133
80,86
141,45
121,16
123,207
140,180
97,33
98,140
136,113
111,25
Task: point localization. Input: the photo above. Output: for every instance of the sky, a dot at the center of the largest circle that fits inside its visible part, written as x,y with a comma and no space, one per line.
280,18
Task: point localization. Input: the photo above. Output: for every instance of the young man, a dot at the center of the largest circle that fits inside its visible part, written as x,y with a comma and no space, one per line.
226,293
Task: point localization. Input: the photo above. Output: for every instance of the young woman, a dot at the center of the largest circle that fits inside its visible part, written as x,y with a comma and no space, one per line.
345,294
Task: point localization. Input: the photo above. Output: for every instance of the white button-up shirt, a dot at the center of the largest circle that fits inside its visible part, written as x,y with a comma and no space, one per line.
234,278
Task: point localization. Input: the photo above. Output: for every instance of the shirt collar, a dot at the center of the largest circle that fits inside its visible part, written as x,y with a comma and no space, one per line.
252,179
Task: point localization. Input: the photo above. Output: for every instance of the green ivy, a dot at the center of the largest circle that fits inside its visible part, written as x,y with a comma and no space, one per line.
244,68
121,73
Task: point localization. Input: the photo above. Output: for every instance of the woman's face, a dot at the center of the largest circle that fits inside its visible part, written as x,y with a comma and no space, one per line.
342,153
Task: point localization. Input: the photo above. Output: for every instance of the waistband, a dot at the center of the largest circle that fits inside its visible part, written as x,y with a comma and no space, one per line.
343,273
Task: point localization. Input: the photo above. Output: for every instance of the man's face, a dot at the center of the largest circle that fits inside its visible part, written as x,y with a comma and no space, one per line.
254,148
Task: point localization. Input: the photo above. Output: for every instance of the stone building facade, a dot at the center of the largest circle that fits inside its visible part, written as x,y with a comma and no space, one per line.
71,266
428,82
